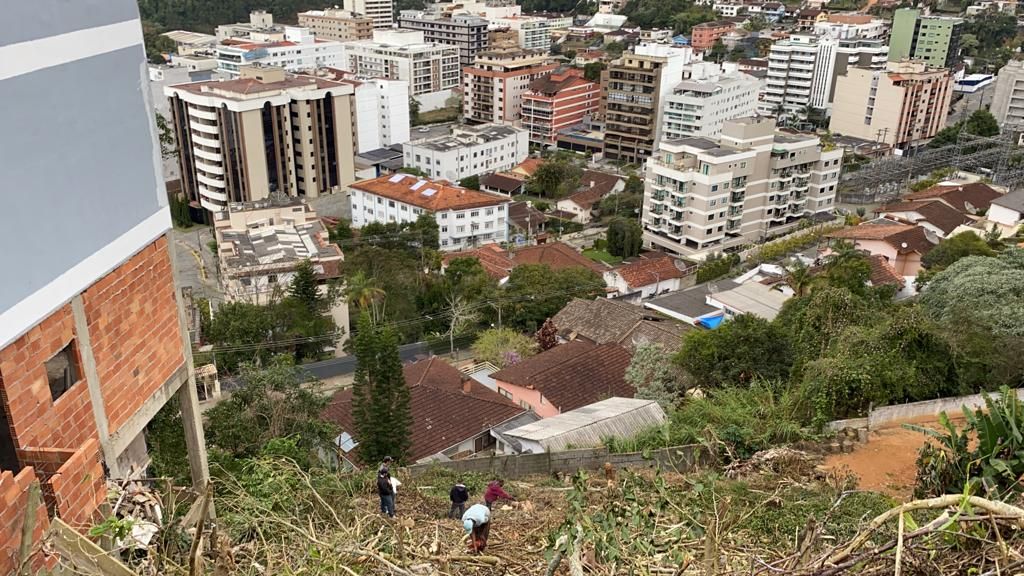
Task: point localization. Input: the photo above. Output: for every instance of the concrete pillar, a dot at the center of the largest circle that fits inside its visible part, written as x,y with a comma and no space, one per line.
92,380
191,416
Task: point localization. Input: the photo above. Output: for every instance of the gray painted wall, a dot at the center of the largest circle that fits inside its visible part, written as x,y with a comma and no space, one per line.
76,149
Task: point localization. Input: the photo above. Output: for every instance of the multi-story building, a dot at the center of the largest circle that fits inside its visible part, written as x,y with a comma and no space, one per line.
556,101
703,36
633,91
432,70
335,24
259,28
465,217
903,105
300,50
265,132
1008,99
92,336
933,39
494,85
381,11
534,31
702,195
466,32
381,108
468,151
847,26
260,245
610,6
709,95
802,71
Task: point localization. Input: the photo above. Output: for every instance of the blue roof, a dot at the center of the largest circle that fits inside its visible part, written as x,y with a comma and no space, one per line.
680,39
711,322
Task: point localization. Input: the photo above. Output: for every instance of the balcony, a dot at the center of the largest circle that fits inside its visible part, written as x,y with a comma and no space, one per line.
211,182
201,114
210,156
210,169
212,143
737,197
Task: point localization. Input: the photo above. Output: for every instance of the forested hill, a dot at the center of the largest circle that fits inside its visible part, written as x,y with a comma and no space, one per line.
680,15
205,15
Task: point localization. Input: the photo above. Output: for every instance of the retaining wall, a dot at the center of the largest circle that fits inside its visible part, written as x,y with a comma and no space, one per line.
678,458
883,415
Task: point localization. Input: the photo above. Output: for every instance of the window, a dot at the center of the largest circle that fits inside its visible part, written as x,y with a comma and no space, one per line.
460,215
62,370
504,392
391,203
474,213
272,278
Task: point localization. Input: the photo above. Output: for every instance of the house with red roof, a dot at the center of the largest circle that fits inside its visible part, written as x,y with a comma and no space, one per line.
452,414
902,246
651,274
566,377
499,262
944,208
594,187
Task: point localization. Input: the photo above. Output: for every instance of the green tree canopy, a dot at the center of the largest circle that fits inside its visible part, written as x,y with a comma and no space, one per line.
653,375
988,290
380,396
503,347
535,292
592,71
555,179
624,237
470,182
737,352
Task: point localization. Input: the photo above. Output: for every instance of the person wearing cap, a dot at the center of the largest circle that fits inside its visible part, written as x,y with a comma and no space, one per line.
477,521
459,495
385,466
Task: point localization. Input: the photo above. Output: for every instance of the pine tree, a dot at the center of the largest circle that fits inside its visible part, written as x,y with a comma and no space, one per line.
304,286
380,397
547,336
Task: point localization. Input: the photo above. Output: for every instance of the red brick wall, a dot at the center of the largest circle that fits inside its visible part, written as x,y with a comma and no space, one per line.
13,500
79,486
36,420
133,325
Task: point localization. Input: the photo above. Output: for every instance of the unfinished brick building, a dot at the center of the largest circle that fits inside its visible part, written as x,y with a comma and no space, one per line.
92,342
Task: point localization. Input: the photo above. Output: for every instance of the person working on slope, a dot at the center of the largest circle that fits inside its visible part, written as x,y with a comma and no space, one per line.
495,492
477,521
459,495
386,491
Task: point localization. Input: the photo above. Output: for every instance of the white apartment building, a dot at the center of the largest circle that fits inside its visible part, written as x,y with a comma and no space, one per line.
469,151
465,218
534,31
432,70
849,26
802,71
381,11
300,50
709,95
1008,99
703,195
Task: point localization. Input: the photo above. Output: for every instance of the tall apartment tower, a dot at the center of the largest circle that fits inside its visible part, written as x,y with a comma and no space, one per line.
703,195
380,11
335,24
903,106
557,101
494,85
633,91
92,338
934,39
465,31
265,132
709,95
1008,100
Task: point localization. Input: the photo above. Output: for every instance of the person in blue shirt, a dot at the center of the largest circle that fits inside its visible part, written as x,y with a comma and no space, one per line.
477,521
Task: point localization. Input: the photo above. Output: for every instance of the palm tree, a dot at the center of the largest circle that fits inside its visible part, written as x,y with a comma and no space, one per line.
367,295
799,277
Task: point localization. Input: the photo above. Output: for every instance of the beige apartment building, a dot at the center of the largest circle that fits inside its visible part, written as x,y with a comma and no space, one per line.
903,106
266,132
704,195
494,85
337,24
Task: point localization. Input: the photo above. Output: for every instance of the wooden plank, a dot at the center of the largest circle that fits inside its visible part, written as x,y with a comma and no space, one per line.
85,556
28,527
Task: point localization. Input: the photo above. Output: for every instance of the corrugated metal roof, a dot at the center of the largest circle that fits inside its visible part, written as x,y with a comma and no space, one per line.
587,426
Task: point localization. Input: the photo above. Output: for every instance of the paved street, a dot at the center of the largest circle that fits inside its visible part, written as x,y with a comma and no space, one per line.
969,103
196,265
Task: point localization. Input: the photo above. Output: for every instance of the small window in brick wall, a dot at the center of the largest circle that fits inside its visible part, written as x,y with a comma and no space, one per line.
62,370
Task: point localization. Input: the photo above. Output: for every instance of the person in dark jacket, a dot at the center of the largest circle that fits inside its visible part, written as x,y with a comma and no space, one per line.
386,491
495,492
459,496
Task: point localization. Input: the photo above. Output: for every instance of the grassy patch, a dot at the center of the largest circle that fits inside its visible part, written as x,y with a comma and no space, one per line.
602,256
438,116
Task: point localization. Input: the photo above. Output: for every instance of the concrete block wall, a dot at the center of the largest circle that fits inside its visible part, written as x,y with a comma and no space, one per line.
133,326
13,508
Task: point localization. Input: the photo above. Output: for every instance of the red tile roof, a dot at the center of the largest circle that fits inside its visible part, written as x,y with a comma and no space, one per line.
495,261
443,414
904,237
434,196
499,263
529,166
650,270
934,211
973,198
882,273
574,374
246,86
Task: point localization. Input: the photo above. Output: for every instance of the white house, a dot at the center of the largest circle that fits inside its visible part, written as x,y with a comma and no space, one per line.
465,217
299,50
1007,212
647,277
469,151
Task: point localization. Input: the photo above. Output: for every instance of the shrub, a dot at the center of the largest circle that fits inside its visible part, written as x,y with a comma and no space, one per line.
716,266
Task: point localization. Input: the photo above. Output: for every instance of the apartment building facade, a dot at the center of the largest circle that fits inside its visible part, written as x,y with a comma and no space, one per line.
703,36
903,106
1008,98
703,195
336,24
92,339
633,92
262,133
468,151
380,11
534,31
848,26
466,32
432,70
708,95
465,218
802,71
494,85
933,39
556,101
300,50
